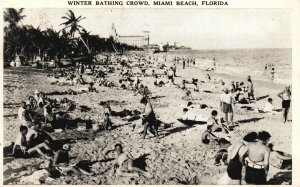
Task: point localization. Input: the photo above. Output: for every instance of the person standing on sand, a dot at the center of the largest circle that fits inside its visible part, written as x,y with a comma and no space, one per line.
183,64
250,90
171,76
226,102
235,157
148,118
257,162
285,95
214,60
174,69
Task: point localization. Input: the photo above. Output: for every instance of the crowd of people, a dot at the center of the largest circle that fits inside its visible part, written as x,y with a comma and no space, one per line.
41,115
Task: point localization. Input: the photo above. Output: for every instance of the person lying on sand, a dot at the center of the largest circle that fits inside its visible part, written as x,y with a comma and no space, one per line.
124,164
188,114
26,143
61,162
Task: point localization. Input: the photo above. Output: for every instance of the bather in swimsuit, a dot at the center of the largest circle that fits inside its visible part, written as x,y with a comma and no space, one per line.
234,168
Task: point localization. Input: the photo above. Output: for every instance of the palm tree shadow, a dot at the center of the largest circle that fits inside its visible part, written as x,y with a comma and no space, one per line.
141,162
281,177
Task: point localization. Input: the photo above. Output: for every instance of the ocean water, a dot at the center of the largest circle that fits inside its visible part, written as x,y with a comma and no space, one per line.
243,62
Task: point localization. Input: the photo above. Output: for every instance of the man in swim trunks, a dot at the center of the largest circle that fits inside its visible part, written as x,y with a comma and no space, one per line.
148,118
257,162
171,75
226,102
125,162
285,95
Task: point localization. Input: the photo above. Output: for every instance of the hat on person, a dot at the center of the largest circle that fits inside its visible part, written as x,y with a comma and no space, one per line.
36,92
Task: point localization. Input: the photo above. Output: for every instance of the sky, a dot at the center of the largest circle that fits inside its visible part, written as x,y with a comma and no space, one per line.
196,28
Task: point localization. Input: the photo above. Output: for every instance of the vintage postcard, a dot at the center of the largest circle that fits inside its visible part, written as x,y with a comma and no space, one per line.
142,92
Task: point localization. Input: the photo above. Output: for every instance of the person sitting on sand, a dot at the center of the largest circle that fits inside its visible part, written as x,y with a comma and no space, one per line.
269,107
212,120
21,110
61,162
257,162
158,82
32,102
148,117
107,122
208,78
280,159
26,143
207,135
237,87
124,164
67,104
183,87
92,88
27,117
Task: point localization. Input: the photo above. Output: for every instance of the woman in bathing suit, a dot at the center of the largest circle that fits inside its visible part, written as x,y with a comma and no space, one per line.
235,157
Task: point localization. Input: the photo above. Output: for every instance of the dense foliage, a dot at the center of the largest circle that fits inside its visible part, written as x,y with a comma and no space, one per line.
72,40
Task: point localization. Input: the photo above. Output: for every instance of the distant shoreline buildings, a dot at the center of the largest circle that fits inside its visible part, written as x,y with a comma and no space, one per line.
143,41
134,40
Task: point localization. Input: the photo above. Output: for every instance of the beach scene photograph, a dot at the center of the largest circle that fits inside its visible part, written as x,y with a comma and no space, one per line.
147,96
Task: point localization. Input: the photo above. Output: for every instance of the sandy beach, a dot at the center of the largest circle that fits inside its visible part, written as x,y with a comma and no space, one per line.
179,156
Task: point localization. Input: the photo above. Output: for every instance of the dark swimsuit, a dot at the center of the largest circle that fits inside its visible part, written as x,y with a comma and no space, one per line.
234,168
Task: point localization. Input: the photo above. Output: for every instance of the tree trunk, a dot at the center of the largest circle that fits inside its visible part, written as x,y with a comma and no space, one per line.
85,44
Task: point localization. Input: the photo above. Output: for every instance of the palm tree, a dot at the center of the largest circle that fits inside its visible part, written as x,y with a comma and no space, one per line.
72,25
13,16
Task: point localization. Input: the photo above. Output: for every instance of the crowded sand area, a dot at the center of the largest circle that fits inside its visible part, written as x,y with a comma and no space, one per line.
178,156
